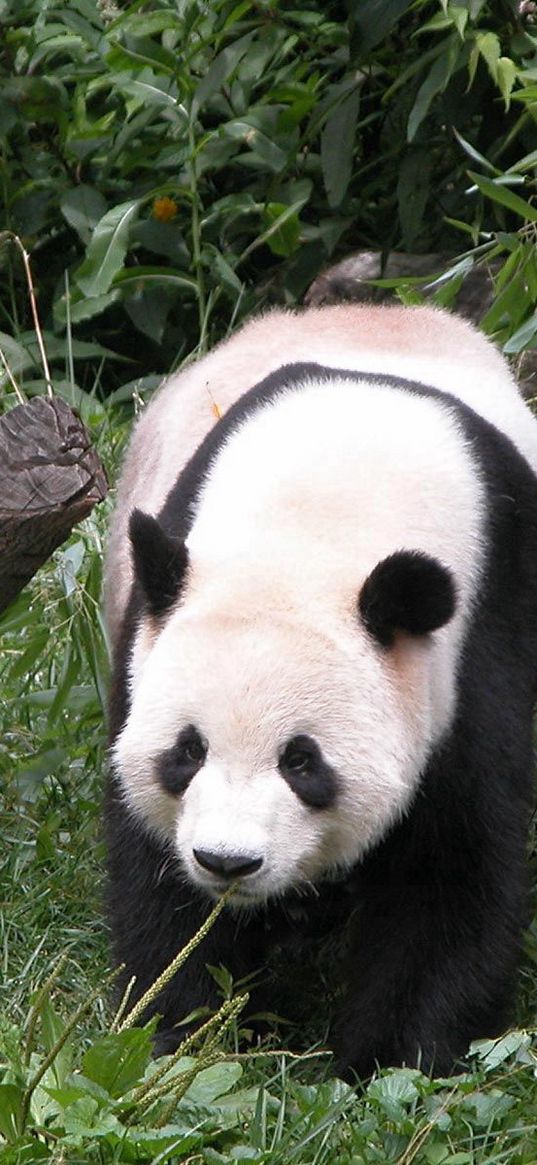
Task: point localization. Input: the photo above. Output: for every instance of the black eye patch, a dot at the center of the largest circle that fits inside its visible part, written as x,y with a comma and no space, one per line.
178,764
307,773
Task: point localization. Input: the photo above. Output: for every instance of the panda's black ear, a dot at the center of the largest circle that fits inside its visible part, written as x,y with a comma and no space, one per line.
159,562
408,591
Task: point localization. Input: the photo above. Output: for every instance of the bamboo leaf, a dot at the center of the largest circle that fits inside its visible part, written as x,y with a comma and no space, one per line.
505,197
107,249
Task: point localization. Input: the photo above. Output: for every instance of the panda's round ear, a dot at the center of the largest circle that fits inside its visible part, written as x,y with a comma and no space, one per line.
159,562
408,591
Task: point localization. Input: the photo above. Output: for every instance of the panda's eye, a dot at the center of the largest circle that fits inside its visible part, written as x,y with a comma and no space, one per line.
180,763
307,773
192,749
297,760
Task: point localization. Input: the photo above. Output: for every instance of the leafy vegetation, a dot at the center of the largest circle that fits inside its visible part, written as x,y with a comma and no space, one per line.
170,166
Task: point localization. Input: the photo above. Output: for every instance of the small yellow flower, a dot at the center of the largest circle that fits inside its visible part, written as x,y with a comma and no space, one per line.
164,209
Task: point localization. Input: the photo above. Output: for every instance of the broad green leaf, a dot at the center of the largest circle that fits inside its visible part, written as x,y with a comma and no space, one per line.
474,154
373,21
506,72
413,192
435,82
26,661
213,1082
82,207
148,307
52,1028
82,308
459,17
11,1097
220,70
266,150
142,51
141,24
285,235
524,337
17,355
227,275
140,276
337,147
528,94
118,1060
397,1086
148,93
107,249
488,46
505,197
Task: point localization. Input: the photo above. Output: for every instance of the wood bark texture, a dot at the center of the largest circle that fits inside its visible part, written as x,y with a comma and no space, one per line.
50,478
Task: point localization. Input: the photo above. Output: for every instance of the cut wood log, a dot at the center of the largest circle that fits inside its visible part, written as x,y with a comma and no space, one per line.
50,478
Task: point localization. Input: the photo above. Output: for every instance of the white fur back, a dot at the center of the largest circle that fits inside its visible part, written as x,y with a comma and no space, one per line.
423,344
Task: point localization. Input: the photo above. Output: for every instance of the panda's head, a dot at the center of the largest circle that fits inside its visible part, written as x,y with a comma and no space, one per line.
272,751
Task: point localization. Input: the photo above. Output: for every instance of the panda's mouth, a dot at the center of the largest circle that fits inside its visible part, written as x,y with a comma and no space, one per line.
242,896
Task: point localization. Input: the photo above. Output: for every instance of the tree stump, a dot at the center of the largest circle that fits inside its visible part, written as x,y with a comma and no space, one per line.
50,478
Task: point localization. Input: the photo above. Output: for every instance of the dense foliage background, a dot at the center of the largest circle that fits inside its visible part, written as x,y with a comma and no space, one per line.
171,166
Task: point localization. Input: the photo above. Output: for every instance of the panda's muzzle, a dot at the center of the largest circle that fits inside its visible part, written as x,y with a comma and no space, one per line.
228,866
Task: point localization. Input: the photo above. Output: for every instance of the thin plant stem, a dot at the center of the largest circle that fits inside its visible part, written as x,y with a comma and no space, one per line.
196,240
16,389
35,1009
56,1049
33,304
156,1088
181,957
184,1048
123,1003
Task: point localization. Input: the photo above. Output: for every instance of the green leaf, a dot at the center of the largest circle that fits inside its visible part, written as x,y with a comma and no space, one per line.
141,276
220,70
412,193
29,657
148,308
82,308
373,21
82,207
523,337
505,197
213,1082
459,17
435,82
11,1097
285,229
107,249
489,48
474,154
266,150
398,1086
337,147
118,1060
506,73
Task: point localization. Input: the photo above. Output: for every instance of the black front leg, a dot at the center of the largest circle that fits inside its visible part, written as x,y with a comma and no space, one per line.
436,942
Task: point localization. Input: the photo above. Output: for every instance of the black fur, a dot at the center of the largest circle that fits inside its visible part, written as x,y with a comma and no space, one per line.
177,765
408,591
433,916
160,562
313,780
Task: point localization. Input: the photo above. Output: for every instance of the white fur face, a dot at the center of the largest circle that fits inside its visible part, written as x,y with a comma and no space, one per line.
249,687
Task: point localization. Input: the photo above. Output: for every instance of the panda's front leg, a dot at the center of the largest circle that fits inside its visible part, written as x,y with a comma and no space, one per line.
434,949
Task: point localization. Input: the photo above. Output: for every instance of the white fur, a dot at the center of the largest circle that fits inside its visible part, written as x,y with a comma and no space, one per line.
300,505
421,343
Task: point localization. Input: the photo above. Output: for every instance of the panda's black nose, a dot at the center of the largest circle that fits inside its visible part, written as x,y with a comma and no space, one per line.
227,865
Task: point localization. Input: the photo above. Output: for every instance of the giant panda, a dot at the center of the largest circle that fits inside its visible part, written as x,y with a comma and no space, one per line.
321,594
